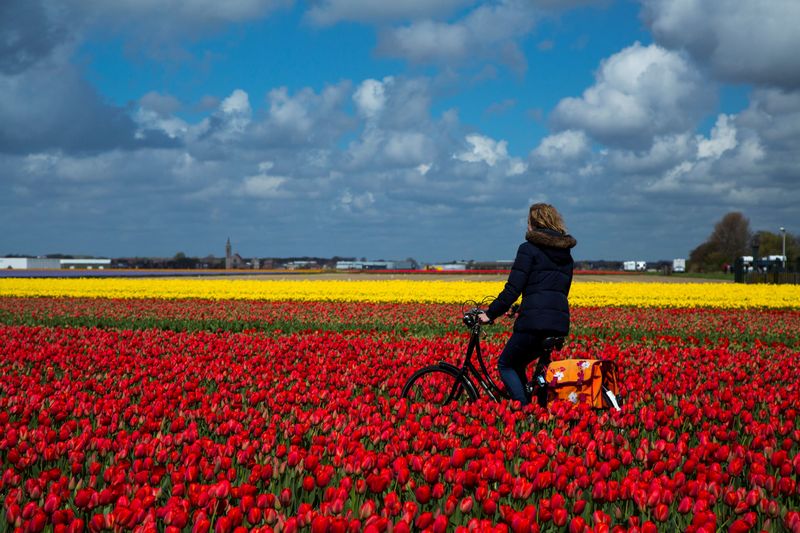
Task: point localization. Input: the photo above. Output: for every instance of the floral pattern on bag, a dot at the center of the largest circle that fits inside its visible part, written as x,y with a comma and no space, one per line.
580,380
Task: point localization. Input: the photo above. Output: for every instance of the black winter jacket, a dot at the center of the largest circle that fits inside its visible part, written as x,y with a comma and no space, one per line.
542,273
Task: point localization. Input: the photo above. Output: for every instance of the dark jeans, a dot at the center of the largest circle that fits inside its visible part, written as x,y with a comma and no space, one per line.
520,351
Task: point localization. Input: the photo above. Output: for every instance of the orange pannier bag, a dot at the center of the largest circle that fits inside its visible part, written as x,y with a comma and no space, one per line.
581,380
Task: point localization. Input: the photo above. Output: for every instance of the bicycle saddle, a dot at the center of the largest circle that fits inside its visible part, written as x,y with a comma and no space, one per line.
553,343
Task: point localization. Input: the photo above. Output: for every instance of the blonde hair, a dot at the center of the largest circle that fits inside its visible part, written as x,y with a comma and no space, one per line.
546,216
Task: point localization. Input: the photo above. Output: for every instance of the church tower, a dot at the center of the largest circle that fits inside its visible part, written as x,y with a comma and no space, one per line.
228,255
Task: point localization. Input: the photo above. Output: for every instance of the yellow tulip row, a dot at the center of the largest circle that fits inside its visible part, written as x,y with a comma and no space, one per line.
583,294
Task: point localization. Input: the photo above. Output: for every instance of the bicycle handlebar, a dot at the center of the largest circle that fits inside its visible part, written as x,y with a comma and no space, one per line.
471,316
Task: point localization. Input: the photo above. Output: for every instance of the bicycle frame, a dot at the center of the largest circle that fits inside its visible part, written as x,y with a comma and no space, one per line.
468,367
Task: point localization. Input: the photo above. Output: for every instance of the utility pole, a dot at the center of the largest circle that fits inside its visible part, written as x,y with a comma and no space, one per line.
783,231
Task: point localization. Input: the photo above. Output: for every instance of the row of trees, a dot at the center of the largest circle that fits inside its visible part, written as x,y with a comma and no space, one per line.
732,238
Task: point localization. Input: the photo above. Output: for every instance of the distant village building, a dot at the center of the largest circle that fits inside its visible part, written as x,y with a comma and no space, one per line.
448,266
88,264
500,264
51,263
209,261
28,263
235,261
374,265
301,265
634,266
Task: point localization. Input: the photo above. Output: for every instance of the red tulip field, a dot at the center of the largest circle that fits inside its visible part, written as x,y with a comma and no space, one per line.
200,415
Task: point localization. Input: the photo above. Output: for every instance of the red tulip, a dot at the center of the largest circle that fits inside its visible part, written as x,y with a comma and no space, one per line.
320,524
661,512
577,525
424,520
367,509
792,521
97,523
440,524
423,494
223,525
38,522
560,516
76,526
83,498
599,517
458,459
378,482
489,507
649,527
401,527
739,526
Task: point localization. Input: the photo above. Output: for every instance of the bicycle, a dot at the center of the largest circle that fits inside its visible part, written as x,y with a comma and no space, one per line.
444,382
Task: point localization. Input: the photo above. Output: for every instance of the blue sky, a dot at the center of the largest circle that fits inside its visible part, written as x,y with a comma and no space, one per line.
285,50
393,130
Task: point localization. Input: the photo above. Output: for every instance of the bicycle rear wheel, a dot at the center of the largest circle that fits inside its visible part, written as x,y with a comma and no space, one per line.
438,385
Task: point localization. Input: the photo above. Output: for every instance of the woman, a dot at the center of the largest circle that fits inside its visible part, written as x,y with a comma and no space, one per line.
542,273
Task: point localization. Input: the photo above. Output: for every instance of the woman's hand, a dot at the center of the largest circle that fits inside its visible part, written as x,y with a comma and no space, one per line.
484,318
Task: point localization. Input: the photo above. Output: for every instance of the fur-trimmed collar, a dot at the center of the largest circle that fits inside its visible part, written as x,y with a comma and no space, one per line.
553,239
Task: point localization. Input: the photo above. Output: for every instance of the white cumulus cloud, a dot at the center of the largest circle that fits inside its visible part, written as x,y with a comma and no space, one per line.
164,20
370,97
723,138
484,149
157,112
746,41
639,92
324,12
493,153
263,185
237,103
353,203
407,148
488,32
234,115
562,148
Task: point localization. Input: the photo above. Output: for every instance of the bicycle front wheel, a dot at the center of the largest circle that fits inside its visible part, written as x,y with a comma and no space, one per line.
438,385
